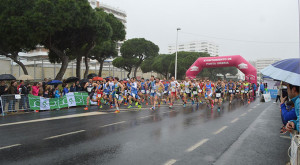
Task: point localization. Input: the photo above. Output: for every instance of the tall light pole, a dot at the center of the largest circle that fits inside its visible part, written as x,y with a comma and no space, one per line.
176,54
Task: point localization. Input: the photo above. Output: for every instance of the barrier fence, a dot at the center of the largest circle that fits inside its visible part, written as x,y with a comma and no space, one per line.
14,103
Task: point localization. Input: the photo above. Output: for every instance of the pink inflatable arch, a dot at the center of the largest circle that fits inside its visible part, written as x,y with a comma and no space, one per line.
223,61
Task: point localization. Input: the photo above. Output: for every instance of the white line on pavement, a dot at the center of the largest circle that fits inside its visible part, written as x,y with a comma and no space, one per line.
5,147
250,110
244,114
145,117
170,162
285,137
55,118
70,133
197,145
254,107
220,130
234,120
112,124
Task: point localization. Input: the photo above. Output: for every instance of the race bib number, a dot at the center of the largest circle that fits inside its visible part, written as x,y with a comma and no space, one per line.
133,95
237,91
230,91
200,90
187,91
99,95
195,92
181,91
218,94
89,89
242,91
173,90
165,91
148,91
117,96
158,94
152,91
143,91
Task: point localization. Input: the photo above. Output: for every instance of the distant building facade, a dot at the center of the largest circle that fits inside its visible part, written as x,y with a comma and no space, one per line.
196,46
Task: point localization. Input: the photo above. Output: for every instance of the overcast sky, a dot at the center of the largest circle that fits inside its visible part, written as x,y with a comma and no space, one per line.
251,28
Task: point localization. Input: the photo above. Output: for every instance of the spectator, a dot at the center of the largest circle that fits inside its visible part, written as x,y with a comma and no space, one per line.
78,87
35,89
293,93
65,90
287,113
278,94
262,88
254,87
3,91
45,83
24,90
41,90
47,91
73,88
56,92
12,90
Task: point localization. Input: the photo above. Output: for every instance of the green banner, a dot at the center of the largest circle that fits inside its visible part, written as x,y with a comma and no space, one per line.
69,100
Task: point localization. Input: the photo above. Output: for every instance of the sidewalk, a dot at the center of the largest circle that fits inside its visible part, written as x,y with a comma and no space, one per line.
261,141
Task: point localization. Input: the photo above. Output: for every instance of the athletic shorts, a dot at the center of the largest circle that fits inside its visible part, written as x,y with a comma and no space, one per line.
173,93
153,94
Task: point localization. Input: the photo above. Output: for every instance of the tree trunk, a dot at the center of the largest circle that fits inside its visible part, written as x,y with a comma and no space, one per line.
128,74
86,72
64,62
135,70
78,67
101,67
14,57
22,66
63,68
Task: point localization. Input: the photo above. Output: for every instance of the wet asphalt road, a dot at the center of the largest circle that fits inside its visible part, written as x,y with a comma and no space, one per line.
238,134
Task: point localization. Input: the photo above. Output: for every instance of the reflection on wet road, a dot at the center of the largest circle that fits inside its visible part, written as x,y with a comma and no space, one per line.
180,135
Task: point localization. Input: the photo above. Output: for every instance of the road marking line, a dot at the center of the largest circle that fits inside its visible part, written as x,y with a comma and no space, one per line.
70,133
5,147
244,114
170,162
197,145
55,118
112,124
285,137
234,120
145,117
220,130
250,110
254,107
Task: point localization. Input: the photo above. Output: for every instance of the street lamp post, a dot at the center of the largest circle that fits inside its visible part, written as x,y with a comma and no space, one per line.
176,54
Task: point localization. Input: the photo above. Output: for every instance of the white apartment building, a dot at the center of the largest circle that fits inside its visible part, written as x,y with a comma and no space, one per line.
196,46
262,63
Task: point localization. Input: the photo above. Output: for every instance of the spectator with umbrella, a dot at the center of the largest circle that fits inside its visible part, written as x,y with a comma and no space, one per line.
78,86
288,71
73,88
65,90
12,90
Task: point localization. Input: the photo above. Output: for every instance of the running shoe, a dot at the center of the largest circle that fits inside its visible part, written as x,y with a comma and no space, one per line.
184,105
136,103
130,106
192,102
139,106
86,108
146,103
249,102
212,106
158,105
98,102
170,106
219,109
152,108
101,107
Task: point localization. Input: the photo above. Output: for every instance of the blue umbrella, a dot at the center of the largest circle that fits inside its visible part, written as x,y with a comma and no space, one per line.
287,70
54,82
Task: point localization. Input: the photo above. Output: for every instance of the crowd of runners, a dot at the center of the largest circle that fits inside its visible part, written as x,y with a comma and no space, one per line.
155,92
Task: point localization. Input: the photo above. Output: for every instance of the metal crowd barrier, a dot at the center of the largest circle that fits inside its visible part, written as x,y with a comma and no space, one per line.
14,103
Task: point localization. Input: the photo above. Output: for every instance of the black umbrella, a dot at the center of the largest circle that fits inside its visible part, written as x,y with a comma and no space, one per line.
92,75
71,79
7,77
83,81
